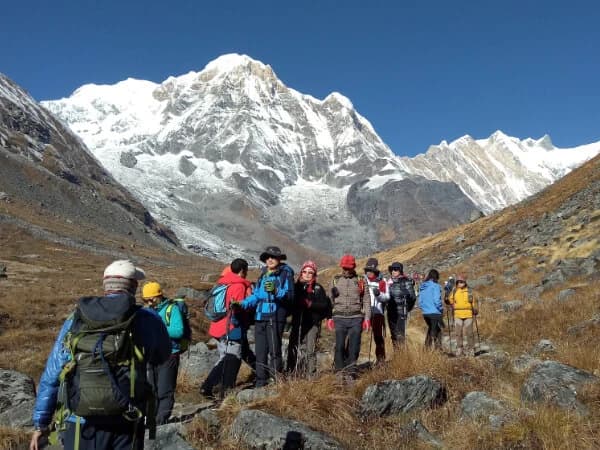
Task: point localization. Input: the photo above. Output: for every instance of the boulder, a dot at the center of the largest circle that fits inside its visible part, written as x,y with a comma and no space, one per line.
257,429
252,395
565,294
543,346
416,430
512,305
557,384
168,437
524,363
191,294
530,292
200,360
479,406
497,358
17,396
485,280
209,416
185,413
583,326
402,396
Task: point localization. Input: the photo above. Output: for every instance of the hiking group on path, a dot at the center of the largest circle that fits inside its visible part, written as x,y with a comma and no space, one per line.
112,371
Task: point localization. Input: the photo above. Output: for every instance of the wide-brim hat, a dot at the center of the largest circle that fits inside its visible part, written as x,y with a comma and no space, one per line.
371,265
274,252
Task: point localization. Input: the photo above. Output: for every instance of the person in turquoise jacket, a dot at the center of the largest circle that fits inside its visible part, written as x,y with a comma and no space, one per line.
430,302
163,377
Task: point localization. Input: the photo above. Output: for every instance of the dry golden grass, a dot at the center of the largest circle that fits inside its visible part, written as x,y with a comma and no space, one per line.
11,438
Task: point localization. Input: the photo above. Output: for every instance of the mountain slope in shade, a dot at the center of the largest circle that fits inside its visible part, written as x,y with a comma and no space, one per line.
44,164
229,153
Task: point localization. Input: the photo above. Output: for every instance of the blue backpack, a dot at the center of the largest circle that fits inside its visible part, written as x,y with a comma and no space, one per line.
215,308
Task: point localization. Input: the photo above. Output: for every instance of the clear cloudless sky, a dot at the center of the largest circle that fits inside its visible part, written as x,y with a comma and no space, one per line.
420,71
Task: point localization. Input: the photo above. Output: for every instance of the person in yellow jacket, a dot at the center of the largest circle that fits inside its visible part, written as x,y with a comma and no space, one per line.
464,306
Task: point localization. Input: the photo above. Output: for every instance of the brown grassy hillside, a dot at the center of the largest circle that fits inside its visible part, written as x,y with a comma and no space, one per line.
524,249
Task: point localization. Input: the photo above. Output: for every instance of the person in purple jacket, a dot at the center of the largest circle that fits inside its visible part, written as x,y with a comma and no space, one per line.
149,336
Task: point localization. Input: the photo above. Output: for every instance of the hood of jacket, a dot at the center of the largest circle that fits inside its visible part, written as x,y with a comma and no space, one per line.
231,277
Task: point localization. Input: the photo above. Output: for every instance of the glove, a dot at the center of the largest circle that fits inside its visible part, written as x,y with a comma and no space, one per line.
447,301
330,325
366,324
335,292
376,292
475,311
235,304
269,286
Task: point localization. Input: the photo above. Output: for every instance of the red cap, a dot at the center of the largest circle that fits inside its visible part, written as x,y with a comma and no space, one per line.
348,262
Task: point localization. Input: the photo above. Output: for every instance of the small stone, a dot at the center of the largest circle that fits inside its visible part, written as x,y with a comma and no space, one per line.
512,305
543,346
565,294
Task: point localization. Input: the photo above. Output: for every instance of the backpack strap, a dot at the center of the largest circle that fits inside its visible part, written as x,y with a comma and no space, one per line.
168,312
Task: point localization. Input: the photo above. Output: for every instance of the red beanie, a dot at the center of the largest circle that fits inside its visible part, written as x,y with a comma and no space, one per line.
348,262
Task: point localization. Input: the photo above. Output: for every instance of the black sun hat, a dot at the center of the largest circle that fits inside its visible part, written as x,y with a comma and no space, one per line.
272,251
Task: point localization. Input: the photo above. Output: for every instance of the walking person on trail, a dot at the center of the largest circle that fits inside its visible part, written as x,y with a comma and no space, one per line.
312,306
272,298
95,375
465,308
378,295
351,314
430,302
163,378
229,330
401,290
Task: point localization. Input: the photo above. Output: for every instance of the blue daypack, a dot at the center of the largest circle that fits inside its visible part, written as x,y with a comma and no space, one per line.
215,308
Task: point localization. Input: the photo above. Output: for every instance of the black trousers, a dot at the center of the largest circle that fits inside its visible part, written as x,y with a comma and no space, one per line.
435,324
105,437
347,342
268,334
396,315
163,379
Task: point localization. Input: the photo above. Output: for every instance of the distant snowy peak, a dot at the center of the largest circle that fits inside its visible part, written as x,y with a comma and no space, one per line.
499,170
234,124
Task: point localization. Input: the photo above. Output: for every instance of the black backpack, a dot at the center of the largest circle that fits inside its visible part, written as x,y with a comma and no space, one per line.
106,374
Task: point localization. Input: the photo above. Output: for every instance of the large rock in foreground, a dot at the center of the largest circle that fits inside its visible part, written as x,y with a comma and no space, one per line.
17,396
200,361
257,429
402,396
168,437
557,384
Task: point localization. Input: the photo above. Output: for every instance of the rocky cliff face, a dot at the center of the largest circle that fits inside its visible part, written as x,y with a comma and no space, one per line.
44,163
230,157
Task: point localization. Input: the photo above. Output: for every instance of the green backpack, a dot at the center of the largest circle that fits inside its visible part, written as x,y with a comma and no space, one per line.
103,376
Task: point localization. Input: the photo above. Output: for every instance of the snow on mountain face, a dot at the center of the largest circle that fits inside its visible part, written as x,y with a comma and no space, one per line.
43,163
223,153
500,170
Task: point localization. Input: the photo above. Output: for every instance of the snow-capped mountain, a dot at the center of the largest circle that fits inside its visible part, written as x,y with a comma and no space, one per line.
230,157
45,164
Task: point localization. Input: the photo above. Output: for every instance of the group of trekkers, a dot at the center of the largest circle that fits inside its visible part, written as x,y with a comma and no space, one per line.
112,371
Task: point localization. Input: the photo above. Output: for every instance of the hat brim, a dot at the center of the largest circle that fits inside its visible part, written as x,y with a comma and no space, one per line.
372,269
265,255
139,274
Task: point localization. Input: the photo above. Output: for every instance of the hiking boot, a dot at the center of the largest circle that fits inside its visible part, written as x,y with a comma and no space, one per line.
207,393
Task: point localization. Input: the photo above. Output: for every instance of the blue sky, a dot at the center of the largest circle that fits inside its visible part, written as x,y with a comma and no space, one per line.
420,71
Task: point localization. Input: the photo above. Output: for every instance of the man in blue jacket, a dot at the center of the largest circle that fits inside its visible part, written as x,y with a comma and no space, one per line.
149,336
163,378
272,297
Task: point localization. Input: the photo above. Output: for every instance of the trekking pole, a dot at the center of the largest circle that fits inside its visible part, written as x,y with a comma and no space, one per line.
449,331
476,327
228,324
273,352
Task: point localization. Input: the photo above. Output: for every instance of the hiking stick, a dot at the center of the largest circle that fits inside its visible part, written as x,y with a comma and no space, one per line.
272,363
449,331
476,327
227,325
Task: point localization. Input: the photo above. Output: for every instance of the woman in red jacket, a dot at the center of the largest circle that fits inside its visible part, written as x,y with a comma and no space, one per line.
228,331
